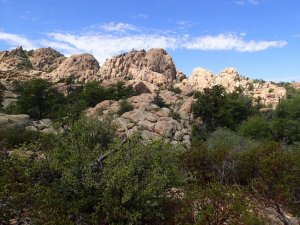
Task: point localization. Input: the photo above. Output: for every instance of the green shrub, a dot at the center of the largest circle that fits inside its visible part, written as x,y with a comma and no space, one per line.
93,93
13,137
256,128
217,204
159,101
139,184
125,106
176,90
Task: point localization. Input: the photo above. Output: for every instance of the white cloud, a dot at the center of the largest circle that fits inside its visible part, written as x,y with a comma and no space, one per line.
231,42
118,27
105,44
16,40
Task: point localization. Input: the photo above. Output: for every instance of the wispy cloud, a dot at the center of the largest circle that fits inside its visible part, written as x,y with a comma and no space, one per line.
118,27
16,40
103,41
251,2
231,42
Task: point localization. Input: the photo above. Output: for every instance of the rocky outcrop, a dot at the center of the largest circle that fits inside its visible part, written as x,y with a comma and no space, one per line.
45,59
266,93
154,66
81,67
146,71
148,119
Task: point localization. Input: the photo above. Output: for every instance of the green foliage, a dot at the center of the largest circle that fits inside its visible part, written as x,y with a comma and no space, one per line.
175,115
125,106
272,171
286,124
139,183
119,91
216,108
13,185
176,90
217,204
12,137
159,101
25,64
93,93
2,89
256,127
38,99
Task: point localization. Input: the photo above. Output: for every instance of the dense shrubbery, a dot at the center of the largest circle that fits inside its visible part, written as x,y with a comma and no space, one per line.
85,175
219,109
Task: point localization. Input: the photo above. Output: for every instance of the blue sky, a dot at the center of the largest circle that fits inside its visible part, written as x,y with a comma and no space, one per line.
261,38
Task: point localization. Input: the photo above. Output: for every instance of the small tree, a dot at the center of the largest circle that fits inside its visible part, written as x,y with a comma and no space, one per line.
125,106
38,99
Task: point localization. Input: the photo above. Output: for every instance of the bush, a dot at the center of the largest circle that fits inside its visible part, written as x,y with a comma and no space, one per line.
125,106
159,101
13,137
217,204
139,184
176,90
256,128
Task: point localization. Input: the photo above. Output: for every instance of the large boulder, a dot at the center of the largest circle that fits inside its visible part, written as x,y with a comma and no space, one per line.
11,121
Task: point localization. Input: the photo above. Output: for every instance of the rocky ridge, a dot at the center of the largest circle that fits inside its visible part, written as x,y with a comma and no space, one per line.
151,72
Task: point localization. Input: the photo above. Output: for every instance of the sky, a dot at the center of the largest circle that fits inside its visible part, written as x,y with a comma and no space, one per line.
260,38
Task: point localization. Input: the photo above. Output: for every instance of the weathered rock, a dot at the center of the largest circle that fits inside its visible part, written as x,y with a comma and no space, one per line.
164,128
155,66
178,136
21,120
81,67
46,59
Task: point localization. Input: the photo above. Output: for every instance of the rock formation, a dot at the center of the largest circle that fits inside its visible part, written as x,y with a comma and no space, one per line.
82,67
45,59
146,71
148,119
266,93
154,66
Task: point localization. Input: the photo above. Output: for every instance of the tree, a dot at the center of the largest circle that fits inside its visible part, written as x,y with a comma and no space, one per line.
38,99
286,124
93,93
125,106
217,108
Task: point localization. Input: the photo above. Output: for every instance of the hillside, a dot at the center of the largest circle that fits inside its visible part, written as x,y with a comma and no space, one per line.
136,141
